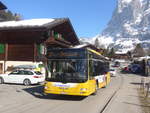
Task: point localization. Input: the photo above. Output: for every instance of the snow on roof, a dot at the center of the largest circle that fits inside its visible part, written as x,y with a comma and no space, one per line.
80,46
120,52
26,23
145,57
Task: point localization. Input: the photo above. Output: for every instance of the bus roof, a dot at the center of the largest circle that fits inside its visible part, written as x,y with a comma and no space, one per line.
93,51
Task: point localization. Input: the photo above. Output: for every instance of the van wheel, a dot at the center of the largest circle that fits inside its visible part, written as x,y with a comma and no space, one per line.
27,82
95,93
96,88
1,80
105,82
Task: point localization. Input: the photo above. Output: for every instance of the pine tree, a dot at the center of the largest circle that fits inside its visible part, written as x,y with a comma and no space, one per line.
106,52
7,15
97,43
139,51
111,53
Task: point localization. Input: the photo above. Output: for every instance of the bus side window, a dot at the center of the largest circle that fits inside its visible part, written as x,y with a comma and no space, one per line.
91,74
100,68
96,68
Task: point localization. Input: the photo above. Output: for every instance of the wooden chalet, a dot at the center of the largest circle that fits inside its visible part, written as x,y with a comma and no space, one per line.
26,40
122,56
2,6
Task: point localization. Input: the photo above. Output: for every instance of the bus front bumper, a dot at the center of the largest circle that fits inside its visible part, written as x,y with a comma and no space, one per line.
77,93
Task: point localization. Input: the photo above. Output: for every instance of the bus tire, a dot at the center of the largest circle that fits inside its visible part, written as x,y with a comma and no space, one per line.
96,88
95,93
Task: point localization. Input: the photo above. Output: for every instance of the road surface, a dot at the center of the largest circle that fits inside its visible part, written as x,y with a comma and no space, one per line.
120,96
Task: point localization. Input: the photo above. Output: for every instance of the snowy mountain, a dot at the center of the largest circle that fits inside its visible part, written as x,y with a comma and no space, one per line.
129,25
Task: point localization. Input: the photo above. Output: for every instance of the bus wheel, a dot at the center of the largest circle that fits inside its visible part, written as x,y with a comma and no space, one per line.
96,88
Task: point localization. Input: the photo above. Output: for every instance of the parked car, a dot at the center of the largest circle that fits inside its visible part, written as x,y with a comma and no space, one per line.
26,77
135,68
117,64
113,72
125,69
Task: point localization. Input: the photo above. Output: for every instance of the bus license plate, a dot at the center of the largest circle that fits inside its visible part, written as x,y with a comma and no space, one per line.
63,93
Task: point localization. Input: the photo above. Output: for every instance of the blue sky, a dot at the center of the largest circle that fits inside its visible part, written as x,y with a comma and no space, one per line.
88,17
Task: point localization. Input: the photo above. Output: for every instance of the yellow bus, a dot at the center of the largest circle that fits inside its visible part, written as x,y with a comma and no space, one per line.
79,72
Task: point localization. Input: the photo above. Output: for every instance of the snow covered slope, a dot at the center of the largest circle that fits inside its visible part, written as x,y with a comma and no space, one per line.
129,25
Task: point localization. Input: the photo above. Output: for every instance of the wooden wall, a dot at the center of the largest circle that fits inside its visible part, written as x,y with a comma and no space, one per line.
2,56
17,52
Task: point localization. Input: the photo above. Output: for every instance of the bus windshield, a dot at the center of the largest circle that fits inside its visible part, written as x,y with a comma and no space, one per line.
67,70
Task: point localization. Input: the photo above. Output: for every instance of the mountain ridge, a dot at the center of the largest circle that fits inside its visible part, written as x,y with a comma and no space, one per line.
129,25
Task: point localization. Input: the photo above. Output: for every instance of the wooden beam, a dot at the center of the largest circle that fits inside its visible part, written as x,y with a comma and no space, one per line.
6,57
35,52
51,41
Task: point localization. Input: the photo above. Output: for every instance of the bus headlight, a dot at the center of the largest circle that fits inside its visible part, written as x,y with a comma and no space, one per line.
83,89
45,87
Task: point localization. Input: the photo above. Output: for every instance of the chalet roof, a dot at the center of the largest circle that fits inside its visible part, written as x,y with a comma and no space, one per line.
121,52
87,46
141,58
36,27
25,23
81,46
2,6
33,23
